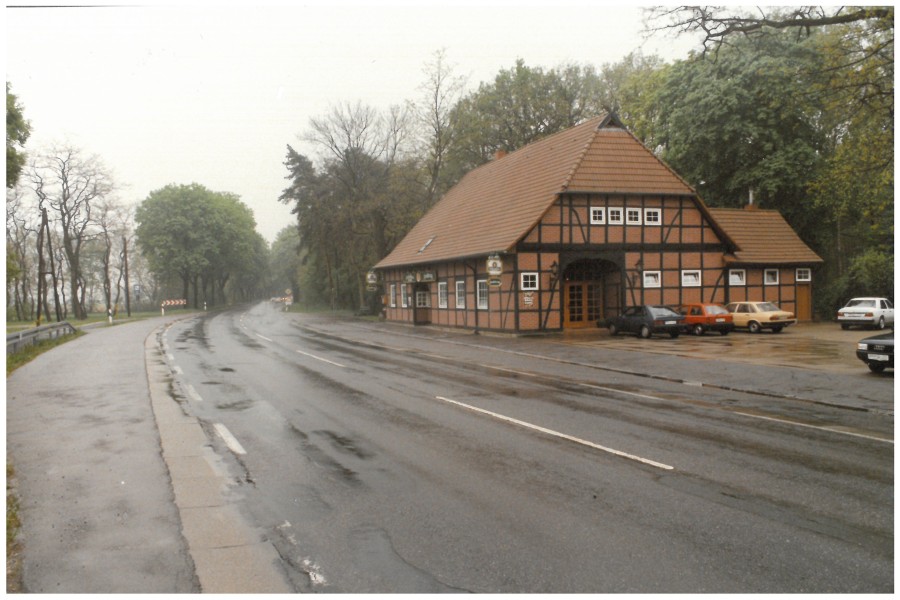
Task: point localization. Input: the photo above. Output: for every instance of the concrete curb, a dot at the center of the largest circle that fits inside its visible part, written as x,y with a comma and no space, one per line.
229,556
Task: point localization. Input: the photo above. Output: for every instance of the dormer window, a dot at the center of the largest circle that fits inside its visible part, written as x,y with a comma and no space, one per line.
426,244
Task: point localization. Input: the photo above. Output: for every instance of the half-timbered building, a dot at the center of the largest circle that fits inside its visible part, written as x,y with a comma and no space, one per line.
569,230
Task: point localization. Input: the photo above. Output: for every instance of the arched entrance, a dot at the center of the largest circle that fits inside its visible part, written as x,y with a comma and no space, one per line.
591,292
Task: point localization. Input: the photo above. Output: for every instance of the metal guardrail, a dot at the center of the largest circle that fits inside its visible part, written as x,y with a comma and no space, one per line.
20,339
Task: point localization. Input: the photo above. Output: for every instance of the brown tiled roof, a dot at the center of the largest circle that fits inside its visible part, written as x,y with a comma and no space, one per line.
762,237
495,205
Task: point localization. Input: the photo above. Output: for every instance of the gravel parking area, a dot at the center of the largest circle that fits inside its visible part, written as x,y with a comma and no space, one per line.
816,346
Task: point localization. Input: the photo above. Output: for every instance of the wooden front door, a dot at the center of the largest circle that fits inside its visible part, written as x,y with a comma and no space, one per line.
583,304
804,302
422,303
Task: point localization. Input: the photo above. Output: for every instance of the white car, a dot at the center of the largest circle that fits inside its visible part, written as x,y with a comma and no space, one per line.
867,312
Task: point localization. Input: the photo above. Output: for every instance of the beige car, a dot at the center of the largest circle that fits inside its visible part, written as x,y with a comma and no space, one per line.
757,316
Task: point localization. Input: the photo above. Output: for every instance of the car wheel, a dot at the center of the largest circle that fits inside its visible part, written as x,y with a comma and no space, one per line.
698,329
881,323
613,330
876,367
777,329
645,332
754,327
845,327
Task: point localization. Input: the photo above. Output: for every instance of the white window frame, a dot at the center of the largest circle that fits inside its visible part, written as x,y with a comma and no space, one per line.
742,281
657,213
806,277
393,295
610,215
631,211
687,278
766,279
598,215
460,294
654,280
530,282
404,295
423,299
442,294
481,294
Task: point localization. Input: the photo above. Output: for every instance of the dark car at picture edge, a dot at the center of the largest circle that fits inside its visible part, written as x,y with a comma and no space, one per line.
877,352
646,320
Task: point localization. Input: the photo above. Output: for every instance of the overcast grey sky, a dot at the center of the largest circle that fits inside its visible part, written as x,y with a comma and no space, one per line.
213,95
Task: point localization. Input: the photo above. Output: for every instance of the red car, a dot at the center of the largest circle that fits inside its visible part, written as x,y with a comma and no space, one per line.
702,317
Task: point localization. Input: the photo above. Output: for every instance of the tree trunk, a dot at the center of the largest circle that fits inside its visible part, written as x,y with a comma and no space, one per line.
40,273
127,284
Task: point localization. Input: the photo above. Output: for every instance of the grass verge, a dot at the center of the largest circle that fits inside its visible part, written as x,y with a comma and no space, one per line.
13,550
26,355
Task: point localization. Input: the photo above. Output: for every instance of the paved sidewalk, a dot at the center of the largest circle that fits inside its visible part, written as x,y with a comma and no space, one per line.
116,489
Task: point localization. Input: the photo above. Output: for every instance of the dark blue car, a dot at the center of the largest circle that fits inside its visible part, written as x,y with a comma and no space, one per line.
646,320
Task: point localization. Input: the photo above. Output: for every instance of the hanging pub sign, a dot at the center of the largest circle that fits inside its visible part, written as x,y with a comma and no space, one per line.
425,276
494,265
410,277
371,281
494,269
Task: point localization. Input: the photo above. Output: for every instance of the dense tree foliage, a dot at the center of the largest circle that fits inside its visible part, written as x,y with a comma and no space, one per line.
522,105
359,203
17,132
202,239
796,104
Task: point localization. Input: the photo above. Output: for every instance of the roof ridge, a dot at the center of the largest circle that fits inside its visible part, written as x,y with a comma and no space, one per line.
584,150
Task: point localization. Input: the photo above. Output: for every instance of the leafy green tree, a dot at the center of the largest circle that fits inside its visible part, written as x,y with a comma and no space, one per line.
818,145
743,123
17,132
200,237
366,193
286,263
631,90
522,105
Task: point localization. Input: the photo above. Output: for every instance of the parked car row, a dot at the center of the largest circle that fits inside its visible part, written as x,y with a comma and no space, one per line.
699,318
876,351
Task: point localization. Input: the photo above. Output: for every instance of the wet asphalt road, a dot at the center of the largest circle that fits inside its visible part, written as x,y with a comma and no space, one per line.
379,458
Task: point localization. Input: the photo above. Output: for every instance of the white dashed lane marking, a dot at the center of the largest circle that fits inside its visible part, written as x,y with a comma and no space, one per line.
230,440
558,434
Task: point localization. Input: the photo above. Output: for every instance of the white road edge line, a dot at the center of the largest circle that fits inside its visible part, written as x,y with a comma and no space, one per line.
558,434
230,440
330,362
819,427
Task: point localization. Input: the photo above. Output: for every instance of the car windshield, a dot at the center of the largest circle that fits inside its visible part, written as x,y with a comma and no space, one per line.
767,306
716,310
661,312
858,302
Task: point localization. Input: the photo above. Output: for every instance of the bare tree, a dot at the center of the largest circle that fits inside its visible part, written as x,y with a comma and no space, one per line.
69,184
441,91
718,23
113,224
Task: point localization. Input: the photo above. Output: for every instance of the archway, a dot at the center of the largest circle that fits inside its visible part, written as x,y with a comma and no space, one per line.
591,292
